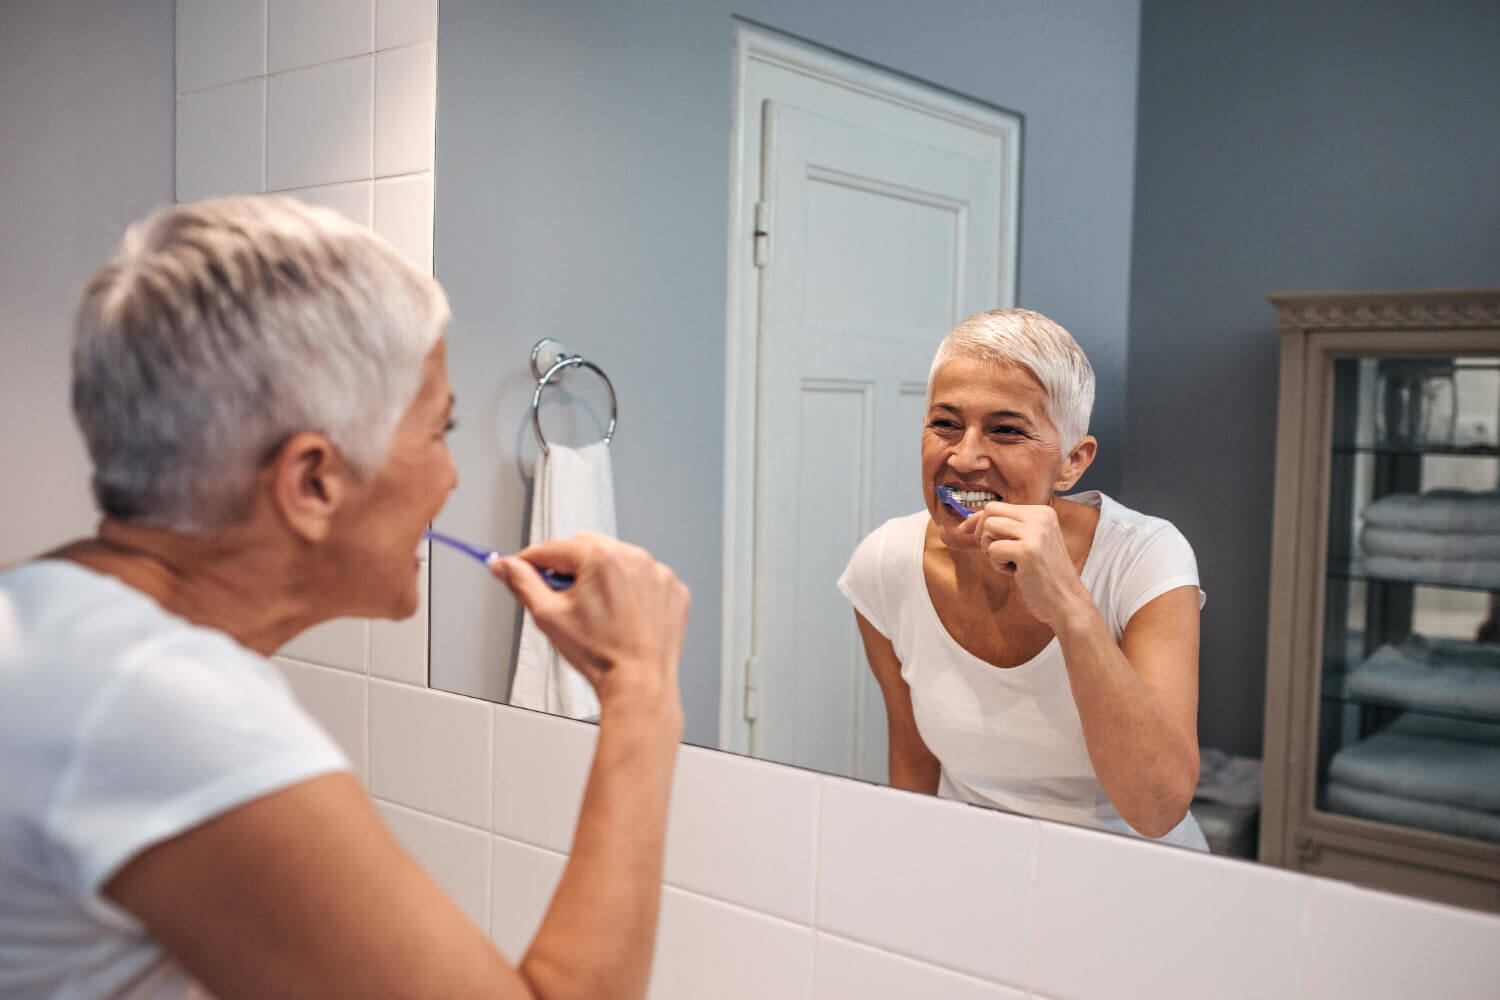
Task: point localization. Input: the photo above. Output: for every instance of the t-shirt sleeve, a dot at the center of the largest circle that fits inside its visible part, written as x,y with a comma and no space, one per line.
1162,560
179,738
861,582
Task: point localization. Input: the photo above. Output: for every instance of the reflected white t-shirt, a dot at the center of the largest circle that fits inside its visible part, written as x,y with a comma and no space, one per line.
120,726
1011,738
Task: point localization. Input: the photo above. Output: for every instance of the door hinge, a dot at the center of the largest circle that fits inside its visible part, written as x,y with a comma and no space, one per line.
762,234
752,690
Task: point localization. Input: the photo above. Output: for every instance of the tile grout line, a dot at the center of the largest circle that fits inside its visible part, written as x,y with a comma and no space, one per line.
267,74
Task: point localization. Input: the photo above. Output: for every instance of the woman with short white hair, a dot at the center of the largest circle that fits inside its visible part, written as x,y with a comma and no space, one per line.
1037,653
263,391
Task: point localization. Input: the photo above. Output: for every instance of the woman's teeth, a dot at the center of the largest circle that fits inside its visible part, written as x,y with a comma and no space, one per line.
974,499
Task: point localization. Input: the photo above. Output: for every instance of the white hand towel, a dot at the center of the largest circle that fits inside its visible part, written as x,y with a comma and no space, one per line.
573,491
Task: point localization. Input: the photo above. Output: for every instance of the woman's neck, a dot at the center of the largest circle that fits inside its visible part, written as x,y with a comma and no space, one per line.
224,581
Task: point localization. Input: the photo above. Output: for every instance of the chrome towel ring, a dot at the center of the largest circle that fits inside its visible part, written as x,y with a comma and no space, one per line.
549,358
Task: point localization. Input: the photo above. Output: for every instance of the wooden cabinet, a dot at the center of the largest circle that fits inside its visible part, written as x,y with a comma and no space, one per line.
1382,749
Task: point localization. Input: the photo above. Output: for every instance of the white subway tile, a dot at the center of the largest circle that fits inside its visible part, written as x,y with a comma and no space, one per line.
541,764
300,33
1373,946
706,948
398,649
319,125
457,857
405,109
431,751
335,698
352,200
745,831
1116,913
221,141
935,880
342,643
219,41
849,971
403,215
522,882
401,22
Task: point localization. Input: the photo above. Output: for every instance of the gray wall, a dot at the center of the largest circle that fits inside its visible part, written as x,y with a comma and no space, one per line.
1284,145
583,164
85,147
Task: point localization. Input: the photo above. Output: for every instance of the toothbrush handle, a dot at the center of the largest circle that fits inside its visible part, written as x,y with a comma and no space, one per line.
554,579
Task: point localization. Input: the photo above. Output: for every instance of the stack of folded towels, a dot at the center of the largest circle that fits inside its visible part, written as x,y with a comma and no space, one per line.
1423,771
1441,537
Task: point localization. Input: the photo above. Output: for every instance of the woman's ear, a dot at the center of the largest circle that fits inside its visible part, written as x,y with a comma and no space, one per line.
1079,459
309,481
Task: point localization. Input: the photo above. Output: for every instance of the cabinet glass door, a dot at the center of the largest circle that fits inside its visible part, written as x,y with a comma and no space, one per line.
1409,720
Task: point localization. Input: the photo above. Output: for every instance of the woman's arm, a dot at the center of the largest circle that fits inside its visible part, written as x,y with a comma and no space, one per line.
304,893
1138,700
912,766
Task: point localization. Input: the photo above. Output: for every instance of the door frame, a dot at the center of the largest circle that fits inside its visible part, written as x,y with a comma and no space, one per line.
755,45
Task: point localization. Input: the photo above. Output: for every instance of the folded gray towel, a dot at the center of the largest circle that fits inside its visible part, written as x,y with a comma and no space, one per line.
1411,543
1441,675
1437,510
1429,758
1479,573
1434,816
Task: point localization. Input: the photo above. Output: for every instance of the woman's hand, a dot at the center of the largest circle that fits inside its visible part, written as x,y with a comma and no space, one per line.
1026,542
621,623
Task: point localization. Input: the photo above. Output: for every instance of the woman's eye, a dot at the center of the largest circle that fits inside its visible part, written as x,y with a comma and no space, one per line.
450,426
942,424
1005,431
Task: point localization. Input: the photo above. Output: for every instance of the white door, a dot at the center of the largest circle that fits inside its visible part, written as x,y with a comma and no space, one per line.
876,230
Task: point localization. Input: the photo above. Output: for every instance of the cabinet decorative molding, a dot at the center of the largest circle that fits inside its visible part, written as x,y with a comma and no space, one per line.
1455,309
1382,766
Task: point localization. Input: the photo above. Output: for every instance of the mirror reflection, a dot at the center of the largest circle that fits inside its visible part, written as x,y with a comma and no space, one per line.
772,412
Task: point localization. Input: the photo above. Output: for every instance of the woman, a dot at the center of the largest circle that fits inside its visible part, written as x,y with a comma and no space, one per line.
263,393
1040,655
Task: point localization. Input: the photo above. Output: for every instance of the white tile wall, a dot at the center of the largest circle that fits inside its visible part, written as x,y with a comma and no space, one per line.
954,884
1167,921
221,140
354,200
849,971
763,816
431,751
318,124
405,109
706,948
299,33
780,883
403,215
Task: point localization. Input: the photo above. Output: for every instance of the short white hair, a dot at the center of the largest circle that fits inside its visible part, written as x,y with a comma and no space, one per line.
220,329
1020,338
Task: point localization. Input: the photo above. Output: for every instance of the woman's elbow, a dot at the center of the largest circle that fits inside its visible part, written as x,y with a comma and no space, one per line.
1159,818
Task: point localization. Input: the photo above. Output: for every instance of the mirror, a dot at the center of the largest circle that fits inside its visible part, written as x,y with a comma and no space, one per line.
593,171
586,156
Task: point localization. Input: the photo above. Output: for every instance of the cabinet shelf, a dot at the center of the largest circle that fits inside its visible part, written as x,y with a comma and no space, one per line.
1353,568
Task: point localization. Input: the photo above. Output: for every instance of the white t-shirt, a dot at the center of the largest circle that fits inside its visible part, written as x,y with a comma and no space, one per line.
1011,738
120,726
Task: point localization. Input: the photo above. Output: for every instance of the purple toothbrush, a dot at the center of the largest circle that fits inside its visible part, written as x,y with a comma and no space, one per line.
945,494
554,579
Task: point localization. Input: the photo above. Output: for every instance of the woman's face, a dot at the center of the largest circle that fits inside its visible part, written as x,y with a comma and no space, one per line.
987,435
389,511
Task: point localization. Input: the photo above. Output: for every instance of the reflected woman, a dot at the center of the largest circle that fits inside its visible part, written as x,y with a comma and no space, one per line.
1041,654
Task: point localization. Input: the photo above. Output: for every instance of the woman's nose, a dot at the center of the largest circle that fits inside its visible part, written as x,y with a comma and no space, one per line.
969,455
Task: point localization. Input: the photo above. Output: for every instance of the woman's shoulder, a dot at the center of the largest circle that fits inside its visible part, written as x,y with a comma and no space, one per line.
1123,527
